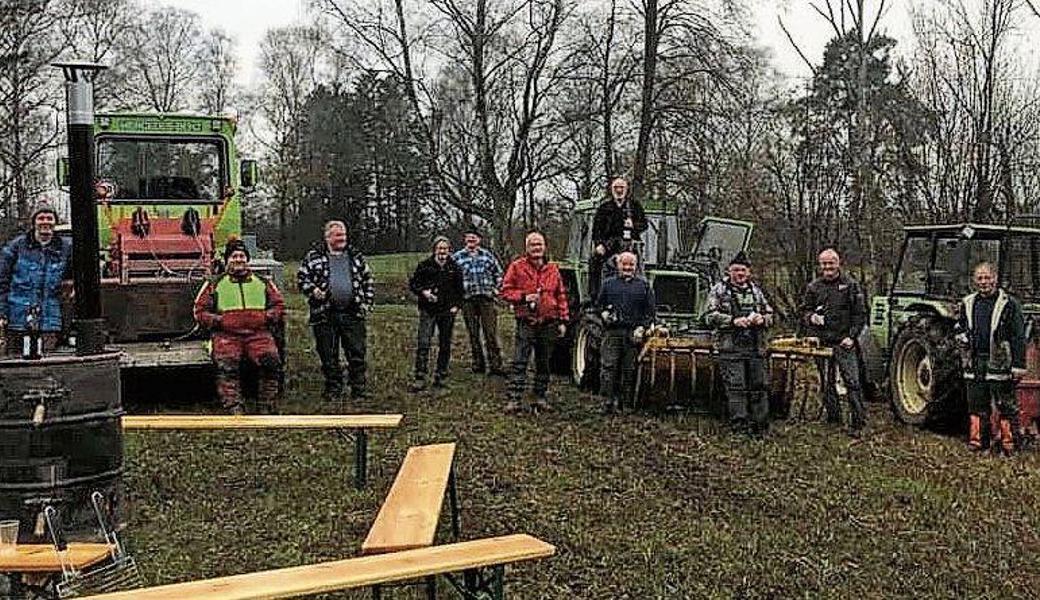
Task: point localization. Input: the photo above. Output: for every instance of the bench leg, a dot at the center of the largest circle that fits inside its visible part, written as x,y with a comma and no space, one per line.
481,584
360,459
431,587
453,498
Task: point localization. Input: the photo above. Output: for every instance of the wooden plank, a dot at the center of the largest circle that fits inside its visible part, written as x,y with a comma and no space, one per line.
261,421
350,573
409,515
43,558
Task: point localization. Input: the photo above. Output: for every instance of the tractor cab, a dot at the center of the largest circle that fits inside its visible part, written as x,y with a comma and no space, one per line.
910,334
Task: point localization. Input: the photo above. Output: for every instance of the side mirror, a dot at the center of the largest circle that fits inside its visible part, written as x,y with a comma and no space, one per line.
249,175
62,172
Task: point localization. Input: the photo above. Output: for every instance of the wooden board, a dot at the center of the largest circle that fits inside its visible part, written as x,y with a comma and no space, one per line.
43,558
261,421
409,515
350,573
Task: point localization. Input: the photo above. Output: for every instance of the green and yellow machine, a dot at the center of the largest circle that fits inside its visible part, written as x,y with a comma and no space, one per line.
169,194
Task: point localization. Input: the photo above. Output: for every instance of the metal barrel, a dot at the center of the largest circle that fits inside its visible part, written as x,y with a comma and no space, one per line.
60,440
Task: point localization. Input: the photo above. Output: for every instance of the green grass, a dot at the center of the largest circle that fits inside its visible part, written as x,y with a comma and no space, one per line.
640,506
395,266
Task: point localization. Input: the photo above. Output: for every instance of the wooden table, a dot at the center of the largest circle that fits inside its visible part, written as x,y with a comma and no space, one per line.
42,560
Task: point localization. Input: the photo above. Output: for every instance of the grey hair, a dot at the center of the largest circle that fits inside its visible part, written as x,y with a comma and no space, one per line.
438,240
330,225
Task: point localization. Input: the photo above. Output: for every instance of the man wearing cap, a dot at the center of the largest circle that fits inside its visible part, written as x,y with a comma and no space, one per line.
739,313
240,309
32,268
437,284
337,282
481,280
834,309
619,220
627,305
534,287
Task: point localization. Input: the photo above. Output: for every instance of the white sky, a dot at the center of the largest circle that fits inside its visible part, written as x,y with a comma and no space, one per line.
246,21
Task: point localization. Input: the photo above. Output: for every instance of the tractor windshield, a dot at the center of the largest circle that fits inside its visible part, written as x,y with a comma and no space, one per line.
955,258
149,168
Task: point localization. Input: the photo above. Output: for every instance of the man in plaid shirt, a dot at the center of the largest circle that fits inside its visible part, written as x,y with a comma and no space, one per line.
482,279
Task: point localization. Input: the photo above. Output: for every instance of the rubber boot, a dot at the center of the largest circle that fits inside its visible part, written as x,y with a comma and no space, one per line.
974,433
1007,439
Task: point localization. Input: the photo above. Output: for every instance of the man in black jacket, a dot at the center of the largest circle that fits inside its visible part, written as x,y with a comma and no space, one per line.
437,284
619,220
627,303
834,309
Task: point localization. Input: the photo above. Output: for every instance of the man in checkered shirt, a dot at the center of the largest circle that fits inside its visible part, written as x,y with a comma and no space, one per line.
482,280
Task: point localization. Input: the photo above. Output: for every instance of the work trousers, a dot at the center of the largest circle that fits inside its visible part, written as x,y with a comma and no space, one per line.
444,323
617,365
747,391
481,319
846,363
538,339
229,351
984,394
346,330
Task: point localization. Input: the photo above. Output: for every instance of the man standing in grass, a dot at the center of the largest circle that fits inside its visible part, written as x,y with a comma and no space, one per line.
627,303
534,287
739,313
437,284
338,285
834,309
992,335
482,280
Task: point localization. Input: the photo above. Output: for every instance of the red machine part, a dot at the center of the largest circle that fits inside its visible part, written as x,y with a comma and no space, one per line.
163,250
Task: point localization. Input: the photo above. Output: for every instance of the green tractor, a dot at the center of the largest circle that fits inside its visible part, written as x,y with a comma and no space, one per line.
910,336
680,278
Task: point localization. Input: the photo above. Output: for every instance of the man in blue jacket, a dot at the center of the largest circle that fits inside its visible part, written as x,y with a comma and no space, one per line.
627,303
32,268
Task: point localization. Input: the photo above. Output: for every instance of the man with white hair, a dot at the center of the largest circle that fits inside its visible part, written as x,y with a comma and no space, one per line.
991,331
338,285
834,309
534,287
627,305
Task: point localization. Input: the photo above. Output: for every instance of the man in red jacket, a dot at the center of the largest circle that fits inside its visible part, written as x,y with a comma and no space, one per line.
240,309
534,287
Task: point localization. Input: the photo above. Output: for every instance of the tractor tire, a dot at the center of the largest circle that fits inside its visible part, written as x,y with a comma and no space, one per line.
924,370
585,358
873,367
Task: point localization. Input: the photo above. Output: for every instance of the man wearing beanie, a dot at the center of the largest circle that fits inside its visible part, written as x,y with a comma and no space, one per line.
437,284
32,268
739,313
240,309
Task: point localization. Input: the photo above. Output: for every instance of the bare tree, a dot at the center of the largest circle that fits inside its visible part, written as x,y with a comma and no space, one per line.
159,61
217,73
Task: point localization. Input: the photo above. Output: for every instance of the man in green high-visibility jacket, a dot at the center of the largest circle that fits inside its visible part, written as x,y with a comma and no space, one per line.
241,308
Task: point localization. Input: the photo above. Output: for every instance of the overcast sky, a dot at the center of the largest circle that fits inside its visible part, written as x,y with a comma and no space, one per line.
246,21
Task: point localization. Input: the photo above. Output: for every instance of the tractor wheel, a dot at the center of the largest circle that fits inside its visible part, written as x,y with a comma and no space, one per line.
923,370
585,361
874,369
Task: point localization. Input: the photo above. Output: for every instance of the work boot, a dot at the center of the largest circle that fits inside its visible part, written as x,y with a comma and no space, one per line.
1007,438
541,405
497,372
359,393
439,381
974,433
609,406
237,410
479,369
418,385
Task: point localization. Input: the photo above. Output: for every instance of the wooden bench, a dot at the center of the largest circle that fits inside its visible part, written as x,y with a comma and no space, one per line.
355,426
411,512
489,554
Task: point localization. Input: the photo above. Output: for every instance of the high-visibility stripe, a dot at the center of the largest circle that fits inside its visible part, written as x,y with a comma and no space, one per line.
246,295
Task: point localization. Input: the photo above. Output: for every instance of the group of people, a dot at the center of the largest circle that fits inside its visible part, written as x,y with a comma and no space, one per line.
244,312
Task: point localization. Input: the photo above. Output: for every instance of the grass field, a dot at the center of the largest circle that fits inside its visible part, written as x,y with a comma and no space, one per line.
640,506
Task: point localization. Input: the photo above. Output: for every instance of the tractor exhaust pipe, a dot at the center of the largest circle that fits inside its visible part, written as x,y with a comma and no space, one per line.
79,95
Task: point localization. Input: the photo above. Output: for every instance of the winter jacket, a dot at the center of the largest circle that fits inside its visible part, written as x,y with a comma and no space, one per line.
522,278
630,300
314,273
239,305
444,281
727,302
1007,342
608,225
842,304
31,276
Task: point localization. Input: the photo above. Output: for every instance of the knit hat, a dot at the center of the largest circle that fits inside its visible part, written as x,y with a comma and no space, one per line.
472,230
43,207
741,259
233,245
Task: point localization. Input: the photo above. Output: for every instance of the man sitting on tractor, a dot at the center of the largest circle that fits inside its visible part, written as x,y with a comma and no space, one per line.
627,305
991,331
739,313
241,308
619,221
